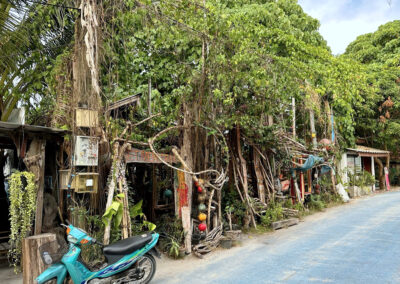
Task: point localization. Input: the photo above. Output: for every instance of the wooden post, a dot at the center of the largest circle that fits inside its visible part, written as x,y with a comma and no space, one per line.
154,194
294,117
312,125
39,197
309,190
187,159
125,215
149,98
111,189
32,263
302,185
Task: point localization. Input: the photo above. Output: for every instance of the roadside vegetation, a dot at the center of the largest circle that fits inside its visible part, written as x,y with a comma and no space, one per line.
246,90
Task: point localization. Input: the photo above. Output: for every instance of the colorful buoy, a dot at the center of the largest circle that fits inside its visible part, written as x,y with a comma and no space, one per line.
202,217
202,207
167,193
202,227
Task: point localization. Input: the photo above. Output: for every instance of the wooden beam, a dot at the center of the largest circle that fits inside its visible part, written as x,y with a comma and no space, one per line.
40,192
284,223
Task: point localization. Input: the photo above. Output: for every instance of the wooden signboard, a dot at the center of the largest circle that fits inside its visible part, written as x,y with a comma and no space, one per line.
141,156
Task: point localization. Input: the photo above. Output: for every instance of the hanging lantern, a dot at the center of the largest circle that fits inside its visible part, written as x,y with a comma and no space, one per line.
202,217
167,193
202,207
202,227
199,189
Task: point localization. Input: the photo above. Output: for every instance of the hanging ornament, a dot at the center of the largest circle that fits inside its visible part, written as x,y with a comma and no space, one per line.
202,227
167,193
202,207
199,189
202,217
196,183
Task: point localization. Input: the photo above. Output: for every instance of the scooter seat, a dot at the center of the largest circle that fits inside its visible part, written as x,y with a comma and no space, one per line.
127,246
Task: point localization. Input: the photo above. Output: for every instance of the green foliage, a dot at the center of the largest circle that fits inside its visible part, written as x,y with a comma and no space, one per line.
93,224
114,212
362,179
171,235
22,210
139,222
273,213
316,203
231,202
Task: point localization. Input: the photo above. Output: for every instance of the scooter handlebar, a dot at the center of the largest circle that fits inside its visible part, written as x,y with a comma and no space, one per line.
97,242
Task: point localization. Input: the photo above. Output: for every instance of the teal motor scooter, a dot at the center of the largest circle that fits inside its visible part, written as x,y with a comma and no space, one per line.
128,261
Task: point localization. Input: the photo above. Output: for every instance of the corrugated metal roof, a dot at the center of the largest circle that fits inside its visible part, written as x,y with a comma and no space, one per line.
124,102
368,150
10,127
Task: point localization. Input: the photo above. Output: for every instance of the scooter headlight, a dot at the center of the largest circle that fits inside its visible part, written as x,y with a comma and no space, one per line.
72,239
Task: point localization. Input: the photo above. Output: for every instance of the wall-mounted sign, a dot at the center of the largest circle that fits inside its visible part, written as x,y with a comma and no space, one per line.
141,156
86,151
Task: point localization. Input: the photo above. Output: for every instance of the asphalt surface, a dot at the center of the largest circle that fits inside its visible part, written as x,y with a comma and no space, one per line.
354,243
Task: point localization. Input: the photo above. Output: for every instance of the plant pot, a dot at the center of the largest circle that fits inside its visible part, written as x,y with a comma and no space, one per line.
226,243
234,235
182,252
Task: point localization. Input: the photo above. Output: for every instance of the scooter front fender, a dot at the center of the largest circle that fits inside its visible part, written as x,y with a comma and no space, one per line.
57,270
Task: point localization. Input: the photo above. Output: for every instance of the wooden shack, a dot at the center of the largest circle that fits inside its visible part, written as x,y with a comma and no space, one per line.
33,148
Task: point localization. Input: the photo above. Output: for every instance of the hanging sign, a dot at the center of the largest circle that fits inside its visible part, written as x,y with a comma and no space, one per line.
141,156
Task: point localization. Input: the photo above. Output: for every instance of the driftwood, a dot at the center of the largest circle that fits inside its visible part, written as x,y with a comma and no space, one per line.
290,212
284,223
210,243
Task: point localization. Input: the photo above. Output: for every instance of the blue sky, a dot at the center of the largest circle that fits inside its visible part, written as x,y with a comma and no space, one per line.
343,20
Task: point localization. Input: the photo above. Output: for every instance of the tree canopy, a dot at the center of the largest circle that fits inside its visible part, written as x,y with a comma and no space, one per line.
378,122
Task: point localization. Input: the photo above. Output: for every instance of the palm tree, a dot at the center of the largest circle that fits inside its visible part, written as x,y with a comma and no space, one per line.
31,37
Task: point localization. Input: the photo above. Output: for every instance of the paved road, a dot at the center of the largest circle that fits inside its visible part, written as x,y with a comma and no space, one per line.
354,243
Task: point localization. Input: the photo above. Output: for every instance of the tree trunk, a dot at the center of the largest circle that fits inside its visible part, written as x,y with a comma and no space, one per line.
243,169
259,176
381,176
32,262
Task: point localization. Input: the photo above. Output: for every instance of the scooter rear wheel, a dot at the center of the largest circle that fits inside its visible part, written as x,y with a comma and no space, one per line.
145,267
148,264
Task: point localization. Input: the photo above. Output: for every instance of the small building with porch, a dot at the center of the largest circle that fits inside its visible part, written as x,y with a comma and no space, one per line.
355,161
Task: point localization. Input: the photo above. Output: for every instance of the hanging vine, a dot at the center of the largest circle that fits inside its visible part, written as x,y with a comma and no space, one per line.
22,208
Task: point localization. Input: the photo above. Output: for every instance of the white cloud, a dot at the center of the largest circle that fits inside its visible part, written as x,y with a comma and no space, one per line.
343,20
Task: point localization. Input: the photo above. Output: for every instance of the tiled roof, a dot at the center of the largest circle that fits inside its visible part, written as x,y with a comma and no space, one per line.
369,150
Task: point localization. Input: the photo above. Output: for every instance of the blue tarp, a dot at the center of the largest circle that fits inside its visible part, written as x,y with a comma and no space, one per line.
310,162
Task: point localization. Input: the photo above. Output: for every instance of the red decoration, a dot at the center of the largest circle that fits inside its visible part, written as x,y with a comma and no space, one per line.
196,183
326,143
199,189
202,227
